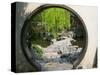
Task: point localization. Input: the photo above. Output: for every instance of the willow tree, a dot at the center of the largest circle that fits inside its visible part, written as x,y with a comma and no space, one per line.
54,20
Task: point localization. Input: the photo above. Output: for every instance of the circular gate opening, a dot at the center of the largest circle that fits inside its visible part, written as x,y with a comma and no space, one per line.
54,37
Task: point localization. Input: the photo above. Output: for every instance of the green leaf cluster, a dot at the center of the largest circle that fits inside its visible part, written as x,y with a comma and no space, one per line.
53,20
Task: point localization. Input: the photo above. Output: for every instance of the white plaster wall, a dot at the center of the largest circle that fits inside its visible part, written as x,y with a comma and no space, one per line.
90,17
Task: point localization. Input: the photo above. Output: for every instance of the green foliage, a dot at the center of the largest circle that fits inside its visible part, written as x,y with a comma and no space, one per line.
53,20
37,51
40,42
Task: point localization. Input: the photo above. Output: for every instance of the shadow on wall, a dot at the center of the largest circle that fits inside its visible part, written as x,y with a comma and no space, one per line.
22,64
95,64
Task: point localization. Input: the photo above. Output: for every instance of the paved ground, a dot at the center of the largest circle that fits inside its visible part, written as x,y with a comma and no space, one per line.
52,66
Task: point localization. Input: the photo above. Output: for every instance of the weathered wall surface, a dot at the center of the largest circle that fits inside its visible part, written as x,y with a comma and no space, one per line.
22,11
